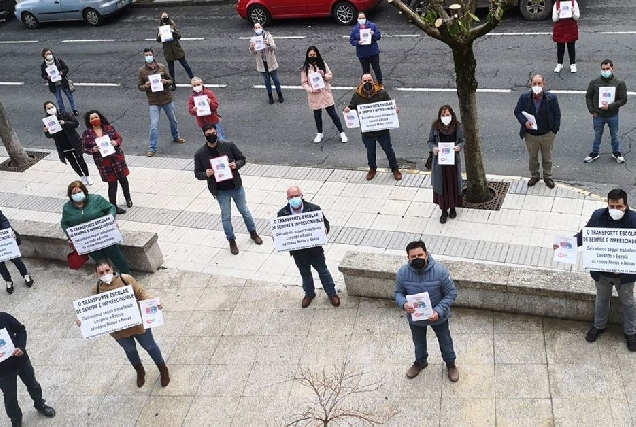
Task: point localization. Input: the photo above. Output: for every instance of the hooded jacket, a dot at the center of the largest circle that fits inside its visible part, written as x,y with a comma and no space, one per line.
360,97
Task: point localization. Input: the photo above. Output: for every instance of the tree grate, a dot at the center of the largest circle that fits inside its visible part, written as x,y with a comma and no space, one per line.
35,156
498,191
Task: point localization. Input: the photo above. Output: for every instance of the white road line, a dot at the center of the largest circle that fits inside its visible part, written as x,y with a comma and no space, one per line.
18,41
300,87
277,37
11,83
97,84
520,34
206,85
400,35
431,89
88,41
183,39
617,32
579,92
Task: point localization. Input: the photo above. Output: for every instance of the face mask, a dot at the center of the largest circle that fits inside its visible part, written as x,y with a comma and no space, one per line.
606,74
198,89
51,111
107,278
616,214
446,120
313,59
537,90
296,202
419,263
96,121
165,20
78,197
49,57
259,31
362,21
368,86
149,59
211,138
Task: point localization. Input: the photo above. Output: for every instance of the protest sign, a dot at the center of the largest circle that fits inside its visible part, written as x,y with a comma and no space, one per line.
165,32
6,345
422,305
609,249
606,96
202,103
566,10
94,235
567,250
8,245
365,36
52,124
106,148
151,314
222,170
107,312
259,43
155,83
351,119
316,80
53,73
446,153
299,231
378,116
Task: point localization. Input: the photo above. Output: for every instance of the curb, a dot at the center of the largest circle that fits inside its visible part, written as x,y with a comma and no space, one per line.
146,4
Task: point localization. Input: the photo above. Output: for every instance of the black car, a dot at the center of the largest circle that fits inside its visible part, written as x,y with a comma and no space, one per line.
6,9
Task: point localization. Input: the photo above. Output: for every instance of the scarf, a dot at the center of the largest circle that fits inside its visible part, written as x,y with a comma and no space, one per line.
447,130
49,63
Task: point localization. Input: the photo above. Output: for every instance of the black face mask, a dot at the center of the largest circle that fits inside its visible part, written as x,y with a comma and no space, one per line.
165,20
211,138
419,263
368,86
313,59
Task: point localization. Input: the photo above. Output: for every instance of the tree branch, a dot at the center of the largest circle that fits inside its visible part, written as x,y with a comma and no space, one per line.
416,19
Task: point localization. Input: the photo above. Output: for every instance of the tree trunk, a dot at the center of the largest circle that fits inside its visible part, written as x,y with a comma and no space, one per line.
465,65
17,153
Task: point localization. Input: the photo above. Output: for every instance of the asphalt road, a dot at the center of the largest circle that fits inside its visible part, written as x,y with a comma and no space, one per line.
283,133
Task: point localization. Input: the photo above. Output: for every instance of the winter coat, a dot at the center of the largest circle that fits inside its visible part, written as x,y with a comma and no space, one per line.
95,206
525,104
213,118
155,98
592,95
67,135
202,162
366,50
4,222
266,55
436,170
306,252
360,97
17,333
322,98
565,30
113,167
61,67
172,50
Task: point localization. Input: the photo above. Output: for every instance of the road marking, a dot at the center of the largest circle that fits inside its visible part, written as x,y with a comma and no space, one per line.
400,35
300,87
617,32
11,83
18,41
97,84
579,92
88,41
520,34
182,39
206,85
432,89
277,37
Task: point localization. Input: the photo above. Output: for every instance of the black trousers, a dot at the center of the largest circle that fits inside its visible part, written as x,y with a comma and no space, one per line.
77,162
112,190
9,386
372,61
331,110
561,52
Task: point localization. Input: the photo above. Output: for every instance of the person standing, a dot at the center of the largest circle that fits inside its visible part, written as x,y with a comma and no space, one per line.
542,107
225,191
424,274
367,93
446,179
320,98
198,89
565,32
310,257
266,62
19,264
112,168
367,49
61,85
172,49
19,365
157,101
68,142
604,97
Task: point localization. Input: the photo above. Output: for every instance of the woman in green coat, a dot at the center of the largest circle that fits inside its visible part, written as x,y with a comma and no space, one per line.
83,207
172,49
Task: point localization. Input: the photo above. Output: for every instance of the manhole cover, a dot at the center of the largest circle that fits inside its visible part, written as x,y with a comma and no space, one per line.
36,156
498,190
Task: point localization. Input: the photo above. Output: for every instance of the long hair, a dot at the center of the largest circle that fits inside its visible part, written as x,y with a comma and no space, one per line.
87,119
438,122
319,62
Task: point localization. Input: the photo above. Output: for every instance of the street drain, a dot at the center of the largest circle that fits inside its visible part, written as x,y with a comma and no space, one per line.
498,191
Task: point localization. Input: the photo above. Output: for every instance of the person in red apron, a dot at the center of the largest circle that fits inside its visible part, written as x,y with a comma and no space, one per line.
565,15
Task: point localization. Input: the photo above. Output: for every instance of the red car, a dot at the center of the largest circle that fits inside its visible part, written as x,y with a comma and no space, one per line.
263,11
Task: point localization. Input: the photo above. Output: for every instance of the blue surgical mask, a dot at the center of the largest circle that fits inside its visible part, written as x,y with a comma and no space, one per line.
296,202
259,31
606,74
149,59
78,197
362,21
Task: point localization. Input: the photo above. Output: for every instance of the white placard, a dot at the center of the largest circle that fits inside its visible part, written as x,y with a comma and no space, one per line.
422,305
6,345
378,116
606,96
107,312
151,314
316,81
567,251
8,246
94,235
365,35
105,146
532,119
202,103
222,170
165,32
299,231
155,83
566,10
53,73
446,153
609,249
52,124
351,119
259,43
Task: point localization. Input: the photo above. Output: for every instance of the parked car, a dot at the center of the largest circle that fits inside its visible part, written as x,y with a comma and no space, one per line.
263,11
7,7
32,12
533,10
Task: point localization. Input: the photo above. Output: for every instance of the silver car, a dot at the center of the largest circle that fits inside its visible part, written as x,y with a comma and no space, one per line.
533,10
32,12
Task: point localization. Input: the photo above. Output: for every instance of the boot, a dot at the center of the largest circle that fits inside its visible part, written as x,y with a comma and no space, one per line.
271,98
165,376
280,97
233,248
453,372
141,374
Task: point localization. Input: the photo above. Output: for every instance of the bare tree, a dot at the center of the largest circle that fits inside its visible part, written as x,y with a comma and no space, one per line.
459,29
18,155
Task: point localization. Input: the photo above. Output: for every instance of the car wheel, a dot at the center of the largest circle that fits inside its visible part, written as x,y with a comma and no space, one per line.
345,13
29,20
535,10
93,17
259,15
420,7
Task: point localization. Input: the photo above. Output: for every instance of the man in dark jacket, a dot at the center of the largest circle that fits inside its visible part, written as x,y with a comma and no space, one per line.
367,93
18,364
51,62
172,49
544,107
310,257
226,189
616,215
599,103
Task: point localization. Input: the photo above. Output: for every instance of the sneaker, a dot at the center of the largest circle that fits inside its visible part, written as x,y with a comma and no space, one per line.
28,280
89,180
318,138
558,68
343,138
572,68
631,342
593,334
84,180
415,370
75,113
9,288
179,140
591,158
618,157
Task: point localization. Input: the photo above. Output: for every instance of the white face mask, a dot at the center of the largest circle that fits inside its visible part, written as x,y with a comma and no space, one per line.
362,21
49,57
616,214
107,278
198,88
446,120
258,31
51,111
537,90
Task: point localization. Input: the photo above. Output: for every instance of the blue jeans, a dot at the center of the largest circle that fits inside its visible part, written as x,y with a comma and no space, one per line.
60,101
155,110
224,198
307,258
184,64
599,126
219,132
9,386
147,341
384,139
602,305
443,337
268,84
